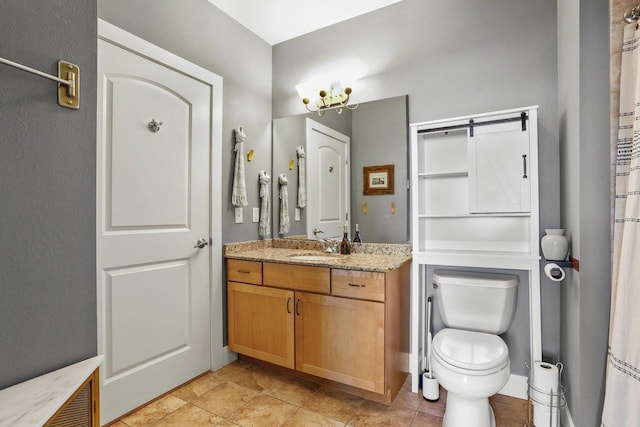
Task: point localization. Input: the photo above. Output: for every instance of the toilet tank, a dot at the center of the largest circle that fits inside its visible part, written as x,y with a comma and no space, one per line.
483,302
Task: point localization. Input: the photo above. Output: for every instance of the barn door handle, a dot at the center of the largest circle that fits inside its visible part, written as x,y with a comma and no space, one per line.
201,243
524,165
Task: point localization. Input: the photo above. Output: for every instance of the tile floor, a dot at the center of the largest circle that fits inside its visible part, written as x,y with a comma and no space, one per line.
242,394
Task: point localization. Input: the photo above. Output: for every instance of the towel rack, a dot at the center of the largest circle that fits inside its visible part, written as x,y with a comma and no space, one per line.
68,88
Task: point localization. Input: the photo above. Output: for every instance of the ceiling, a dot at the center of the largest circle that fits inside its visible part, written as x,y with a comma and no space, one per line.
278,20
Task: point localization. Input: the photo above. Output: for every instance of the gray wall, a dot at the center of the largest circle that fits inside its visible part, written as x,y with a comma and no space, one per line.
47,191
452,58
583,75
204,35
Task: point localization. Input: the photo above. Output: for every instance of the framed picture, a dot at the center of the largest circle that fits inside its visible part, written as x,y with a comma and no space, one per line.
378,180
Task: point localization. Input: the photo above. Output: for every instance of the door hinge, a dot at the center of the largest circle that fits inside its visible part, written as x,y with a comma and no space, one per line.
408,184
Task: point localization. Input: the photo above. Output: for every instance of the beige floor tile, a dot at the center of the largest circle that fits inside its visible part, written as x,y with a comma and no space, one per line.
254,377
434,408
228,370
268,398
189,415
509,411
263,410
426,420
224,399
377,414
198,387
305,418
292,390
333,404
407,399
154,411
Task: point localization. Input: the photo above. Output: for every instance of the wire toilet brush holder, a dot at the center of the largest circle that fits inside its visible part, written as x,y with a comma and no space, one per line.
550,399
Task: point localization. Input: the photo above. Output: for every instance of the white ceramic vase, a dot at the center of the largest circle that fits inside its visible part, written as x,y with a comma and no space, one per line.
555,246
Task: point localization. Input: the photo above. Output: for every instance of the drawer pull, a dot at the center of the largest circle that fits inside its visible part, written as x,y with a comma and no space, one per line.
288,309
243,271
298,307
356,285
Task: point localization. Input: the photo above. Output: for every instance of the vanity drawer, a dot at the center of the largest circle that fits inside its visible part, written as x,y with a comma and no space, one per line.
244,271
358,284
297,277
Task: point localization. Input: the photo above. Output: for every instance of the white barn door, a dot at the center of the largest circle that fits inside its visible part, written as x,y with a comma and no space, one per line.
153,227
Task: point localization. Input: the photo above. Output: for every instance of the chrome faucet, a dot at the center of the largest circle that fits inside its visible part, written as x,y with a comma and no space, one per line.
315,232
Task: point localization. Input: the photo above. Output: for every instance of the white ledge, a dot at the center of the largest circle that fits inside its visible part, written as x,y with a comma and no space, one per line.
34,402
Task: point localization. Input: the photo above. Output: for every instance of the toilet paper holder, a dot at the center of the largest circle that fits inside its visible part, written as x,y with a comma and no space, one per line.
546,398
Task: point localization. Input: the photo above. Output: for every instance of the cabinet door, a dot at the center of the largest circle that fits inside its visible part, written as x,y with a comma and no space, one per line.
498,169
261,322
341,339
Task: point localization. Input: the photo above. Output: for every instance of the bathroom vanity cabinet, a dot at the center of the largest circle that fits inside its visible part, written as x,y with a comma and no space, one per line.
474,191
347,326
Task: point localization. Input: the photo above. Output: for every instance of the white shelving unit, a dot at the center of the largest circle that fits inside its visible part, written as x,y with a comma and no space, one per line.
474,192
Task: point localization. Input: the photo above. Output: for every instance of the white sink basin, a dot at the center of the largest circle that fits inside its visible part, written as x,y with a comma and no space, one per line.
313,257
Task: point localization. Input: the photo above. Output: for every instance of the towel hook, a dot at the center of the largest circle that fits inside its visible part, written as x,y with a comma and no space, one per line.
154,126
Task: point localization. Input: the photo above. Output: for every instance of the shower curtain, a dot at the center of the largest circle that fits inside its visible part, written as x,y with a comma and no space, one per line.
622,392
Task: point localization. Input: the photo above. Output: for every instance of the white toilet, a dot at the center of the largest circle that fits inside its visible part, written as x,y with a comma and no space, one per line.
468,357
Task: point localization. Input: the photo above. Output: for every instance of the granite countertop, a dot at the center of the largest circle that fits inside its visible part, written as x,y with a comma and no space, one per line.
33,402
366,256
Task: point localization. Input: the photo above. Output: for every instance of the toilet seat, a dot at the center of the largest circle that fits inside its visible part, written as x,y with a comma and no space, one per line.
470,353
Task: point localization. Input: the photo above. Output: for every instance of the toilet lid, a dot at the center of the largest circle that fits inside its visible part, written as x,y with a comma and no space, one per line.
475,351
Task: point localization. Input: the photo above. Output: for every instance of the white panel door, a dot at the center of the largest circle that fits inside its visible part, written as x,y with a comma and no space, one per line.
498,169
153,207
328,197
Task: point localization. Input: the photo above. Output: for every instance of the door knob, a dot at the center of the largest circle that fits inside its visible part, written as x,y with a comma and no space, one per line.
201,243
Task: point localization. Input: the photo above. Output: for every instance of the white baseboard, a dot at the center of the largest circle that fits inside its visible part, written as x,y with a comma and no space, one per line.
517,386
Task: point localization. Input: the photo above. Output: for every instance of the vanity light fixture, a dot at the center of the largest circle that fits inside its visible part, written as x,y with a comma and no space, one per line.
336,98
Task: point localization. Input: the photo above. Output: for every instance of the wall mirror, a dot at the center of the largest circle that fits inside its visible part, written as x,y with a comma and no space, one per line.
378,135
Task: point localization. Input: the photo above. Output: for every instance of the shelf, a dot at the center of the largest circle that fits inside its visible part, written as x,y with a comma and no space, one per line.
435,175
567,264
488,215
481,259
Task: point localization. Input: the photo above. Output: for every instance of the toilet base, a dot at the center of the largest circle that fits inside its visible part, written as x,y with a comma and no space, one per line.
463,412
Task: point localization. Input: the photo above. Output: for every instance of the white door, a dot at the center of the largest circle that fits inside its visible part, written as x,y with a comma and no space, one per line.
153,205
499,169
328,198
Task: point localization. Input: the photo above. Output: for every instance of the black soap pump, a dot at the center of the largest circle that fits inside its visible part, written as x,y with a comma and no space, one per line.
345,246
356,237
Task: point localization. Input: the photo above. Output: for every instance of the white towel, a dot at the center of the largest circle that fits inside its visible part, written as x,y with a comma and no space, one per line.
284,204
264,228
239,193
302,179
